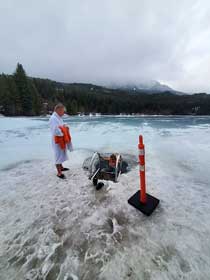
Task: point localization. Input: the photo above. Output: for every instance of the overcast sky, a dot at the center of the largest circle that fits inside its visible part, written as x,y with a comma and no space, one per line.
107,41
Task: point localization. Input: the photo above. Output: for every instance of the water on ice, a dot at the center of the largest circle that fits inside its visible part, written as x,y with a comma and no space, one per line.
54,229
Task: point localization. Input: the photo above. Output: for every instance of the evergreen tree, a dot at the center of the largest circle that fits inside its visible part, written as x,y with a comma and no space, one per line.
24,91
8,92
15,108
72,107
36,98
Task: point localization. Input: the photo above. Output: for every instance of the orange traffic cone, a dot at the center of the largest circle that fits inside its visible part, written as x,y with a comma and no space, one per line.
141,200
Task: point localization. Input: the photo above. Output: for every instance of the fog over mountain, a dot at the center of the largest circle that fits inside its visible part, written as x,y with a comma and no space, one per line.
112,41
150,86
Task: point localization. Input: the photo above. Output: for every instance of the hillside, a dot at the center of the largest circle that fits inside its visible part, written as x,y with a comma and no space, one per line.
22,95
144,86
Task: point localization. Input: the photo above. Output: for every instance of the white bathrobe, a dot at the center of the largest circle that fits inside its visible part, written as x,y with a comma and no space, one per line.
55,122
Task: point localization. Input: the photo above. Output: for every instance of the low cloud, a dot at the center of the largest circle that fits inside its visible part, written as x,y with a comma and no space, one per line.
112,41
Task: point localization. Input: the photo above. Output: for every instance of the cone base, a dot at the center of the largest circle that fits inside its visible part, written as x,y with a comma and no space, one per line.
146,208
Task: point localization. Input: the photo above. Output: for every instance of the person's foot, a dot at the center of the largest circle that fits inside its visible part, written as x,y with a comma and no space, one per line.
61,176
65,169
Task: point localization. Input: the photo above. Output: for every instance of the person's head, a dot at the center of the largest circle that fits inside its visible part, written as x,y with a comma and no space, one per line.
112,161
113,157
60,109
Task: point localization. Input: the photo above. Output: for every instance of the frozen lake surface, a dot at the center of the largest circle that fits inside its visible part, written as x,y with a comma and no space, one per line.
53,229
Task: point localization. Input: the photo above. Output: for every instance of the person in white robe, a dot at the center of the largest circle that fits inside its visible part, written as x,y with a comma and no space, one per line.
60,155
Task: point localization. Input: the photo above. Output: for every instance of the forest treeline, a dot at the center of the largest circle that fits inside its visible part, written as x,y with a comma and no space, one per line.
21,95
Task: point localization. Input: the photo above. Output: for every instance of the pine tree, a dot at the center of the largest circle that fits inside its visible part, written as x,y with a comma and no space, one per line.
23,90
72,107
8,93
36,99
4,95
15,108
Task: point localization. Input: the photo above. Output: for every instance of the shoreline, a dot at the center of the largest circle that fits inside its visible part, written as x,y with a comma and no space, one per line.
107,115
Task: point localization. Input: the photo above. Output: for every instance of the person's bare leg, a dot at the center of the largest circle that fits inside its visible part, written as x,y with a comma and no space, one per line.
59,169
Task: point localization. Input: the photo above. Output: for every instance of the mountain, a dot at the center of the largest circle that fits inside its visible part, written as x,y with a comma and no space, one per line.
146,86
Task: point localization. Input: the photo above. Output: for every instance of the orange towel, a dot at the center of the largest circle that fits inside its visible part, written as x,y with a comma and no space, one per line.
62,141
